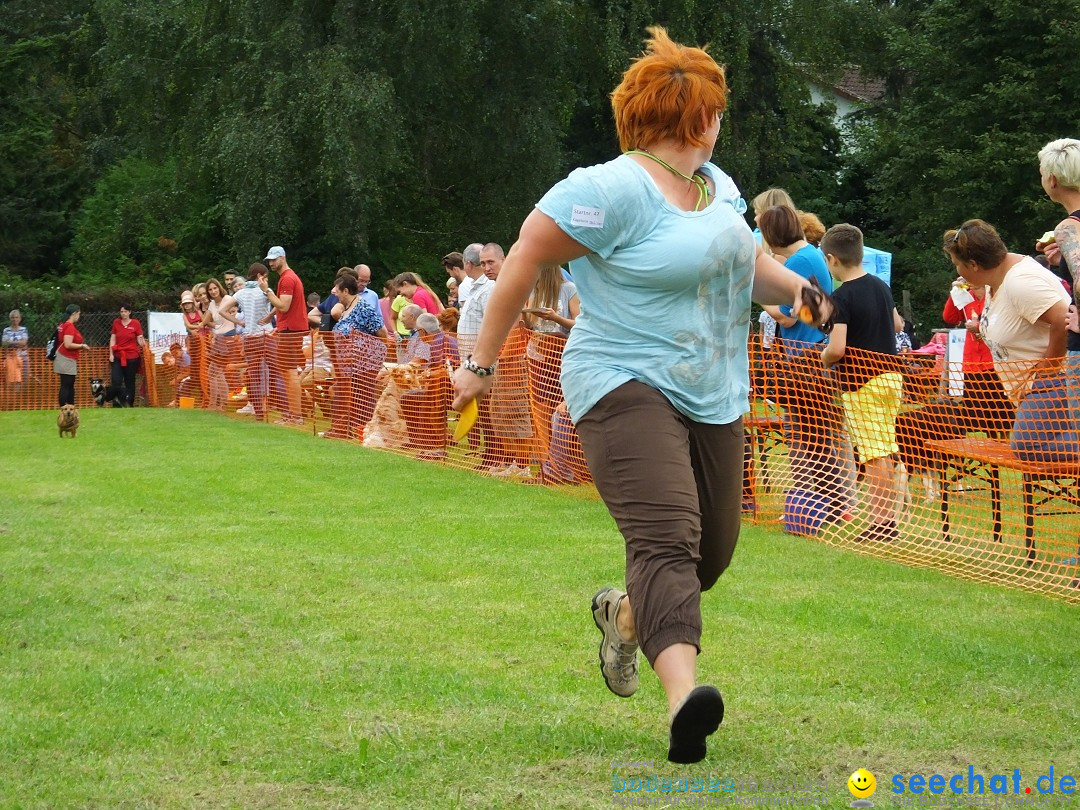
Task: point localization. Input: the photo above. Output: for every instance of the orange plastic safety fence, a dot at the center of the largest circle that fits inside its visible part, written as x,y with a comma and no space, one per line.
973,471
29,382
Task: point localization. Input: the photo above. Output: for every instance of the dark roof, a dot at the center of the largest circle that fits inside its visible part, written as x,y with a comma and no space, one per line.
858,87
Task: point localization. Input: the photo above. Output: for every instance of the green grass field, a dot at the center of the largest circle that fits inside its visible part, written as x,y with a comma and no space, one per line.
202,612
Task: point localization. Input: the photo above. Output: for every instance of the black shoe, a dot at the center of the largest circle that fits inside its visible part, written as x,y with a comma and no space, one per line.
699,715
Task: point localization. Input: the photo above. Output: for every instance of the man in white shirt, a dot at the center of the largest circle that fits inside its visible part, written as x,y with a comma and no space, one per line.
470,258
511,418
472,315
255,312
476,297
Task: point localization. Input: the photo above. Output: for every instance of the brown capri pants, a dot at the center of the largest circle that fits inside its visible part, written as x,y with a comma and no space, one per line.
674,488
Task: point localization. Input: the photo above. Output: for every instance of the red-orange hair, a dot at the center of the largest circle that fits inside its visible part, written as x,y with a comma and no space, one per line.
664,93
812,227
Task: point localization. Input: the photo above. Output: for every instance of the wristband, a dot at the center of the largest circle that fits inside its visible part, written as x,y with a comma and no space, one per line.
478,370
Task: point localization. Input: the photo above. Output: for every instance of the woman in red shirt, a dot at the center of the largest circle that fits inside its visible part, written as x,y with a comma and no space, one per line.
976,353
66,362
985,405
125,349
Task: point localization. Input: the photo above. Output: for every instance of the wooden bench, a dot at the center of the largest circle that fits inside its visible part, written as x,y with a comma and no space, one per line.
984,459
764,432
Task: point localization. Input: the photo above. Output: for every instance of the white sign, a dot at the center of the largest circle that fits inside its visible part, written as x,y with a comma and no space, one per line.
165,328
954,361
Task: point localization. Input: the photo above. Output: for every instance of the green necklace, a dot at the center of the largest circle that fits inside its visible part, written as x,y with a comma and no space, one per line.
696,179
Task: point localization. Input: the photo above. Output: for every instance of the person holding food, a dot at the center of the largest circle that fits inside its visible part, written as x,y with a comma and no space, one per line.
1059,170
985,404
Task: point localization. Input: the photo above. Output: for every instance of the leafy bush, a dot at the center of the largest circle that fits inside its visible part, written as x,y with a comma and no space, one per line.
130,228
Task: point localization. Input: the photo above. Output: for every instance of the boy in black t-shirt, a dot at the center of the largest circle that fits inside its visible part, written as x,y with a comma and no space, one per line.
865,319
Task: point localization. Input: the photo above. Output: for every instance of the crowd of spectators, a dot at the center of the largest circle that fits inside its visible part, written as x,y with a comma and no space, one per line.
248,344
246,340
1020,374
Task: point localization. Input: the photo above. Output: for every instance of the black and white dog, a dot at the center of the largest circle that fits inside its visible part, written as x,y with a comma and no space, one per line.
99,390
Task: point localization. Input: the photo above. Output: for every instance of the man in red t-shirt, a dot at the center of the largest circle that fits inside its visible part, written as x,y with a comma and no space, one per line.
290,307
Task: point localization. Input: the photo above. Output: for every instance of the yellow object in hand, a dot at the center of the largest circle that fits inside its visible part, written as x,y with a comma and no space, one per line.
1047,238
466,419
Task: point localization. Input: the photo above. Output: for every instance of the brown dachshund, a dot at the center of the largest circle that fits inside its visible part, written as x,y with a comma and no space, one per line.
68,421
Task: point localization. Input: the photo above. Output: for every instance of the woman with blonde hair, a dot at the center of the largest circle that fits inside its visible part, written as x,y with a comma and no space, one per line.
418,292
1059,172
411,289
769,198
553,306
812,226
551,314
220,318
202,300
655,371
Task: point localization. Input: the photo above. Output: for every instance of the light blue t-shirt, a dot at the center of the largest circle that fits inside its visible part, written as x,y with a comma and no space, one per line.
371,298
664,294
809,263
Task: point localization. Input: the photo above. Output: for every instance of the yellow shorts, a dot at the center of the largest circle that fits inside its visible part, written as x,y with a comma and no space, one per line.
871,415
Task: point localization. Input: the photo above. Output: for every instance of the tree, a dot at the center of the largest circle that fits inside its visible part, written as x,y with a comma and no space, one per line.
202,132
132,227
44,168
981,86
273,119
486,95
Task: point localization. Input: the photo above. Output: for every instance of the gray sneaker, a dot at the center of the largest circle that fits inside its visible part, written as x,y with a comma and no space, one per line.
618,658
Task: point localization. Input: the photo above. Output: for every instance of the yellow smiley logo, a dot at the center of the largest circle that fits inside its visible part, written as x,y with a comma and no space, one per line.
862,784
